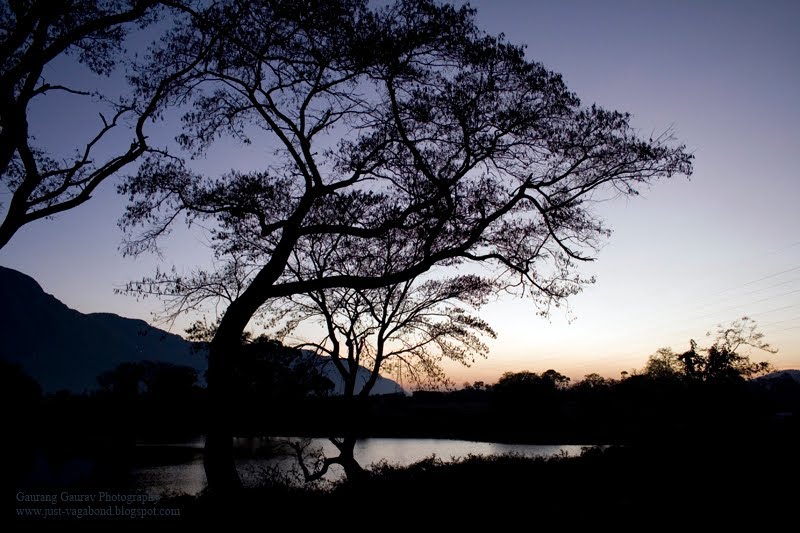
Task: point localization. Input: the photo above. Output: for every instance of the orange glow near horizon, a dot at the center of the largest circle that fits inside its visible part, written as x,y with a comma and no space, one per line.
684,256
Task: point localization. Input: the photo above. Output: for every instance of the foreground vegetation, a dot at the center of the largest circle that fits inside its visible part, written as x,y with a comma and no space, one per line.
671,481
695,434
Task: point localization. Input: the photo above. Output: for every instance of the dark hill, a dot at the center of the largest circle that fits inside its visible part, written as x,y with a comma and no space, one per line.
65,349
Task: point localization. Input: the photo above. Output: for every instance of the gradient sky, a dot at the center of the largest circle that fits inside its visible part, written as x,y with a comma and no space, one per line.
685,255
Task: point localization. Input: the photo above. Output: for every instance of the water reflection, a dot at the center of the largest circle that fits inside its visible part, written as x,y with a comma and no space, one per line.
260,453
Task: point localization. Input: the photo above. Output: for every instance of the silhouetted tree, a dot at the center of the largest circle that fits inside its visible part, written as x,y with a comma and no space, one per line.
147,397
476,386
268,370
529,396
159,381
555,379
409,328
34,35
525,386
594,381
404,122
21,420
513,386
724,362
591,402
125,381
18,390
268,377
720,362
166,382
517,382
664,364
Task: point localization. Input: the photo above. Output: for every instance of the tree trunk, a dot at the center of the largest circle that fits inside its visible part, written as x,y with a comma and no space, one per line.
219,462
355,472
218,459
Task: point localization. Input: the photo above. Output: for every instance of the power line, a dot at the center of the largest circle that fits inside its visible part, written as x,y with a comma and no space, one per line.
785,329
773,310
751,282
718,312
624,357
713,300
780,322
755,291
779,250
770,276
729,267
737,306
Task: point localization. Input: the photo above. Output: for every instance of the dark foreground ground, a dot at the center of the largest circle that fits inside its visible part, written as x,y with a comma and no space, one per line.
683,456
643,487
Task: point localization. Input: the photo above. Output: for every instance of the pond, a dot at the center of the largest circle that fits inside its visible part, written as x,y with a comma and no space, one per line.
188,476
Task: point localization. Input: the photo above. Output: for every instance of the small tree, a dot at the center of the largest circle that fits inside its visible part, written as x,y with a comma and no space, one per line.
519,385
719,363
664,364
555,379
594,381
528,394
267,372
408,328
157,380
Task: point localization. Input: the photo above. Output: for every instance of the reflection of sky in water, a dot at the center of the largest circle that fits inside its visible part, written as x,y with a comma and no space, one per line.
191,478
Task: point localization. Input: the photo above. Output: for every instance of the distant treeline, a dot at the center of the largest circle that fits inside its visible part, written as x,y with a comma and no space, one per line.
158,400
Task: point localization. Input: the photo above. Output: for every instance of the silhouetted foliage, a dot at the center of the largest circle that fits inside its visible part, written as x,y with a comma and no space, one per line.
35,35
267,371
555,380
719,363
17,388
405,329
521,384
457,148
593,382
529,395
20,418
155,380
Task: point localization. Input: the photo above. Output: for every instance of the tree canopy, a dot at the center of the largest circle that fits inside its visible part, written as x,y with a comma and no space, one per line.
408,329
34,36
401,132
722,362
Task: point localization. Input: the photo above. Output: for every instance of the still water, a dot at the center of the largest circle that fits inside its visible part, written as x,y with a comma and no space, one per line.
188,476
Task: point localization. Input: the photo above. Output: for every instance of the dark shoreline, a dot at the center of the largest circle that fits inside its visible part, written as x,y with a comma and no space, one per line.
615,483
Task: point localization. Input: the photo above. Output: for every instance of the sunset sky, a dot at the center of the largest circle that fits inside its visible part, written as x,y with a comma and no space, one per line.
685,255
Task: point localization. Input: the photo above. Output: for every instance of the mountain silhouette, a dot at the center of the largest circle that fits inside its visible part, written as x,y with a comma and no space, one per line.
382,385
793,375
64,349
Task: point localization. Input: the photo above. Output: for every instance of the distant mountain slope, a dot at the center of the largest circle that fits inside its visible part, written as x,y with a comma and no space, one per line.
65,349
382,385
782,374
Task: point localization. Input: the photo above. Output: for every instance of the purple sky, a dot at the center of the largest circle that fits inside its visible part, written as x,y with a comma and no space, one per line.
684,256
